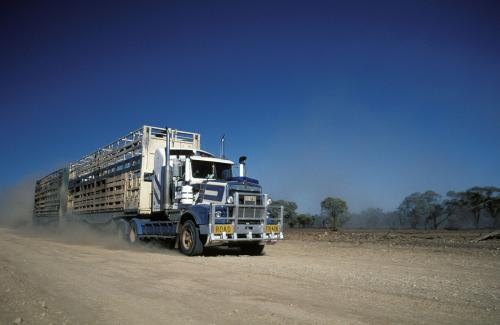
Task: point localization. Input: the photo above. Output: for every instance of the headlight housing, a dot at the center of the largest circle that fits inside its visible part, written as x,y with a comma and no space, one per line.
230,199
269,201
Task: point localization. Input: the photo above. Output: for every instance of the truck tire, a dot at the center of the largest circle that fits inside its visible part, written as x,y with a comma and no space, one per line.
189,240
252,249
122,230
132,234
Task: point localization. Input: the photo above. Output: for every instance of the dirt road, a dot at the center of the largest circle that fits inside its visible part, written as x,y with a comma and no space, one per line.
58,280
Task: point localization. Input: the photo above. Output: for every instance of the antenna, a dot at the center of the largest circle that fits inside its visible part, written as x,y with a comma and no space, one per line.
222,146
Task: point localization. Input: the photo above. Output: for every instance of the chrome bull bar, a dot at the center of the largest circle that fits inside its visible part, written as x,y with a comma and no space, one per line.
237,222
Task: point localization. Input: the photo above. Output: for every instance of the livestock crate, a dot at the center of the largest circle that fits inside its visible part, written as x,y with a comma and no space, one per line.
113,179
51,196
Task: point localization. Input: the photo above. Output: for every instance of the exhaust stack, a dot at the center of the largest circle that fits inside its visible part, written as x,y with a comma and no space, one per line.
243,171
166,175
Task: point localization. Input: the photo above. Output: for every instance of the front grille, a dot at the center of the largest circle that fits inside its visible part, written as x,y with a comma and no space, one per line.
251,213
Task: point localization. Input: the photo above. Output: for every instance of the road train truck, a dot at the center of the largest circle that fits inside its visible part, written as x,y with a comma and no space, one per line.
157,183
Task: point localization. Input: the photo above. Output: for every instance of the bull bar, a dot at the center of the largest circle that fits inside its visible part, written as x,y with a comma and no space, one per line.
249,222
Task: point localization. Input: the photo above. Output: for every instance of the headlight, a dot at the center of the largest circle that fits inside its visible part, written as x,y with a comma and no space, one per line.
230,199
218,214
269,201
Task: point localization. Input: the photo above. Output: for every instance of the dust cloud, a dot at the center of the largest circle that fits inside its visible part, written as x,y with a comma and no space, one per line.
16,211
16,205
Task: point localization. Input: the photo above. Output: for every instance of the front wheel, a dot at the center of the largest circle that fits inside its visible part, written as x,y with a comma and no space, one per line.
189,242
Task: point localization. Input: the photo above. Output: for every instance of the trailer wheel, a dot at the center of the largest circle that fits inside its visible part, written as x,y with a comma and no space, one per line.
252,249
190,243
123,230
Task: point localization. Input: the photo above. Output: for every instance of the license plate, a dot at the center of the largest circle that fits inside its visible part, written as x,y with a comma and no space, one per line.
272,228
219,229
250,199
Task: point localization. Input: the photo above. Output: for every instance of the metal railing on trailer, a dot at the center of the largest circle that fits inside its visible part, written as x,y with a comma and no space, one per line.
123,149
178,139
114,157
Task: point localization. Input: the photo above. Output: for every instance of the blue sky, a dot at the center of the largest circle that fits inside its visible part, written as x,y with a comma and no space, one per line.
365,100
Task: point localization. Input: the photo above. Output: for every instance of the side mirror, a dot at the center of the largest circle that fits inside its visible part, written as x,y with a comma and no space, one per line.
242,159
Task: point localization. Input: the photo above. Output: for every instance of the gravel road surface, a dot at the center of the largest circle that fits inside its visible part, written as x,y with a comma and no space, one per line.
86,280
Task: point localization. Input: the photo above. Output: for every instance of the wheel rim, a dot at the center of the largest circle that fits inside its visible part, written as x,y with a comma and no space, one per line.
187,239
131,235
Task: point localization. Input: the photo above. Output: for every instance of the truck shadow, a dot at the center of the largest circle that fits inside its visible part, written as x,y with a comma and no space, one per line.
79,235
221,251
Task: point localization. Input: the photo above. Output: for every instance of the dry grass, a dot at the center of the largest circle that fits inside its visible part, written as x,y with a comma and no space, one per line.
428,238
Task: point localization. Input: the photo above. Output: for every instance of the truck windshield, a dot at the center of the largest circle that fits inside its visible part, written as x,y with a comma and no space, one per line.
210,170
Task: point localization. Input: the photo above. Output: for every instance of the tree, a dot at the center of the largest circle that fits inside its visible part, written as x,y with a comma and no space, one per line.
491,202
289,212
455,207
335,210
435,211
493,208
420,206
304,219
474,200
411,209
